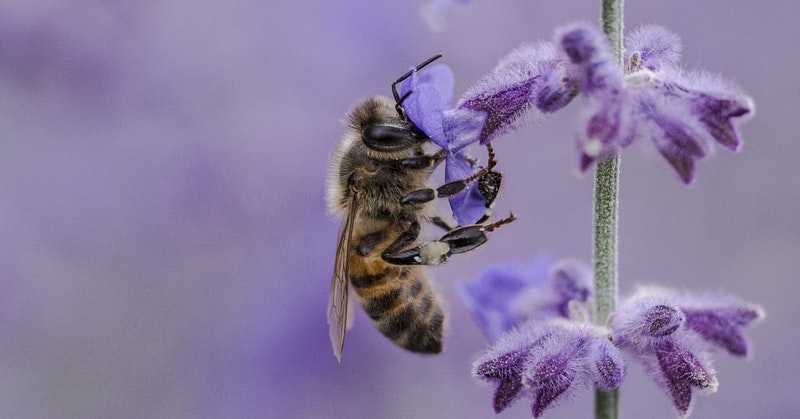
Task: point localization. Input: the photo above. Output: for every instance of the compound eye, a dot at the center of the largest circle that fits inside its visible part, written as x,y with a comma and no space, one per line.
389,138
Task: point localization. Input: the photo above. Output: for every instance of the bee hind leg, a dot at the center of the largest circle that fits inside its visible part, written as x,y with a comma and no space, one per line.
457,240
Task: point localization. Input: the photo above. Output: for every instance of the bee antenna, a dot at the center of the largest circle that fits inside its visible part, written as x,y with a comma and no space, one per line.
399,100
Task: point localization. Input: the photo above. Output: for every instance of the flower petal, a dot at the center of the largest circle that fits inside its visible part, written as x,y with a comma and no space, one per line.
439,76
715,103
675,137
470,205
550,391
572,281
654,46
607,367
490,296
645,318
683,369
529,76
593,62
508,390
561,363
720,320
432,91
424,109
462,127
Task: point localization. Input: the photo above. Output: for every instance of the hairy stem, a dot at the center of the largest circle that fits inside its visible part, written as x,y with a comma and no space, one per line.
606,210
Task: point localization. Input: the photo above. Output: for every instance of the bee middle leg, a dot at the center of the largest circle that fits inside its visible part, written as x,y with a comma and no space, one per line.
441,223
405,239
457,240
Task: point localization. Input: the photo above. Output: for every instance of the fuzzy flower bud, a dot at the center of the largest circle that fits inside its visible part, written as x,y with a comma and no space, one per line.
546,361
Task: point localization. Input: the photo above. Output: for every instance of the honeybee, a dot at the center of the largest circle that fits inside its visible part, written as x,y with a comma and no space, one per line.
377,183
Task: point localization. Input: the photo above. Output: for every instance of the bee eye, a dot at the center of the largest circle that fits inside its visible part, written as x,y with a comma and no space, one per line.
389,138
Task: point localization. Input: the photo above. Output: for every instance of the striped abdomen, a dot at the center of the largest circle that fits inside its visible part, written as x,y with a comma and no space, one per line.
399,300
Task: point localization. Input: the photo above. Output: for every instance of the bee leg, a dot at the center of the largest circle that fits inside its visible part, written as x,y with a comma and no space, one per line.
393,253
369,241
439,222
424,162
458,240
422,196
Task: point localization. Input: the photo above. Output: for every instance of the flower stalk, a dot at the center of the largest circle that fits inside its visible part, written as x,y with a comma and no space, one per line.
606,211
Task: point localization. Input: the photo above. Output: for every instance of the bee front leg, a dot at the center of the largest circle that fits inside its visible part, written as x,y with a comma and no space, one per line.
424,162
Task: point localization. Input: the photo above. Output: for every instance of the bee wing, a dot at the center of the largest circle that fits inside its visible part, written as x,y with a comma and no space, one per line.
339,315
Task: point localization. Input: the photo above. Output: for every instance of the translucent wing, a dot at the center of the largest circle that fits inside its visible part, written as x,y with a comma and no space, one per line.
339,315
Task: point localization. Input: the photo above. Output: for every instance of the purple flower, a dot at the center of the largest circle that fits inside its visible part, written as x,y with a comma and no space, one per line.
429,108
671,334
531,76
682,113
546,361
720,320
645,318
505,296
649,325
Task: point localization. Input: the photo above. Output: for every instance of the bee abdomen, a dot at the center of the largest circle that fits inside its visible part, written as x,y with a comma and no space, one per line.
404,308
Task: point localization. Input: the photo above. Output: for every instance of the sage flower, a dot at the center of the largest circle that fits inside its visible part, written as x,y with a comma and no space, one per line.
672,335
720,320
547,361
682,113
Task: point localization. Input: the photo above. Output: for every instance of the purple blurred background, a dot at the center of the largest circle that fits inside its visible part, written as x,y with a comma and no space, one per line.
165,251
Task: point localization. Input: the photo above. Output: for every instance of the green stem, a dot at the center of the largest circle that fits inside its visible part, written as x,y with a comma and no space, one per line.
606,203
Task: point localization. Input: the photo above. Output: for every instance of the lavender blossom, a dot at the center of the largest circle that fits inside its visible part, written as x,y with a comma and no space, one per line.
547,361
508,295
531,76
682,113
428,107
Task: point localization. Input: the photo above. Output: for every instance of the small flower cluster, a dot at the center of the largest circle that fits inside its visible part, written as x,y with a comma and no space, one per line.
547,361
682,113
546,353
